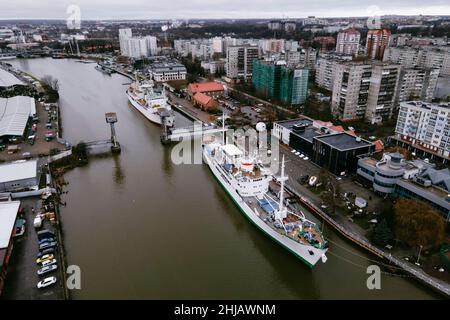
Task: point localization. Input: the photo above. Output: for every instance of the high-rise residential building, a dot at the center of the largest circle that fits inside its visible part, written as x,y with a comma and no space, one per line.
382,92
348,42
426,125
152,47
276,80
425,57
289,26
268,46
364,90
137,47
124,35
376,43
326,69
239,63
294,85
217,44
417,84
275,25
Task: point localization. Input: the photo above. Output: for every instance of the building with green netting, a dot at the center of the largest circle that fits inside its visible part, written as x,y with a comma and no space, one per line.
277,81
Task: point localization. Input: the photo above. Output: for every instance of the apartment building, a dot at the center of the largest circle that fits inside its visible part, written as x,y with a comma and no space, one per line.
239,63
348,42
376,43
364,90
425,57
426,125
326,70
417,84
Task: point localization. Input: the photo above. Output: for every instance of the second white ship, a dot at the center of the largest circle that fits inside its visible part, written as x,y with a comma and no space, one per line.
151,103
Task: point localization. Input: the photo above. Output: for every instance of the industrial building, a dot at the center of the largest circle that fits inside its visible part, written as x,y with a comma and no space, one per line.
327,146
7,79
19,175
415,179
14,115
8,216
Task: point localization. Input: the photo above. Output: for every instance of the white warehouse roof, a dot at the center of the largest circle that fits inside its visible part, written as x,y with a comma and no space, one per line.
18,170
14,114
8,214
7,79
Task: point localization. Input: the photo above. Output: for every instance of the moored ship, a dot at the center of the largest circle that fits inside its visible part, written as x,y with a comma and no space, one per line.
247,183
151,103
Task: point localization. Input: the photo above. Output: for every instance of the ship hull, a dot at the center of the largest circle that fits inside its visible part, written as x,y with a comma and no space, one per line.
151,116
299,250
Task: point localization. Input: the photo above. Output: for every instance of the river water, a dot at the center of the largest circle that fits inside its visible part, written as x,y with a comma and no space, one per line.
141,227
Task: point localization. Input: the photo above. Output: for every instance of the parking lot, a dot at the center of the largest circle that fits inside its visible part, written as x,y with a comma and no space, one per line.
22,278
40,146
297,167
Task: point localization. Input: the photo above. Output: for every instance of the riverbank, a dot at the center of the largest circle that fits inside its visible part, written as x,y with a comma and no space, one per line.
355,234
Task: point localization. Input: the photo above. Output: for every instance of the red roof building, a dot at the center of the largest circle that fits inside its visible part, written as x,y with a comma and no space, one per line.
204,102
213,89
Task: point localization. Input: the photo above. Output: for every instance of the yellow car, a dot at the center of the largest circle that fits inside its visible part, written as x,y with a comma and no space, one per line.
44,258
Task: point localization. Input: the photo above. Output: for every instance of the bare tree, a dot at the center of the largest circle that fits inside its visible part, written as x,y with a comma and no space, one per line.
51,82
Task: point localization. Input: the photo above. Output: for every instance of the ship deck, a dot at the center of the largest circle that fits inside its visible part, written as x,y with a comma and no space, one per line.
294,234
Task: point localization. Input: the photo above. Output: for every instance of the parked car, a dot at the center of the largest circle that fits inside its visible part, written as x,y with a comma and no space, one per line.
47,269
44,258
46,240
46,251
45,233
47,245
37,222
48,262
46,282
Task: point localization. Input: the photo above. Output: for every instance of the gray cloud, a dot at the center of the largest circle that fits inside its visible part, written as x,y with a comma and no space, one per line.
188,9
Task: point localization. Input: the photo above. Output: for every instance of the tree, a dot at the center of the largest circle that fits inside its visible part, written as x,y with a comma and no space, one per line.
417,224
51,82
403,151
382,234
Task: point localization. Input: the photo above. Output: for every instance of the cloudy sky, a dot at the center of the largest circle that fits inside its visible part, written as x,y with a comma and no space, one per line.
188,9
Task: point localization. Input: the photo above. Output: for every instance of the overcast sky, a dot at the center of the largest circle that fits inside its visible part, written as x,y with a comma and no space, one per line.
188,9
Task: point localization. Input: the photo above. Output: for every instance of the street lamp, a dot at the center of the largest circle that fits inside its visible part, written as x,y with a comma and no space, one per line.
418,257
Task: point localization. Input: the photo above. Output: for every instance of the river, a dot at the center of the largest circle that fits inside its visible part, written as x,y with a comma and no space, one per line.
141,227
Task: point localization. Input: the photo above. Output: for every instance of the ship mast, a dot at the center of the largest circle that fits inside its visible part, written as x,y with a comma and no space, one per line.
282,211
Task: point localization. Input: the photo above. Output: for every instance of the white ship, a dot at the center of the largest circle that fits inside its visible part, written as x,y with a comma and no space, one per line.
151,103
247,183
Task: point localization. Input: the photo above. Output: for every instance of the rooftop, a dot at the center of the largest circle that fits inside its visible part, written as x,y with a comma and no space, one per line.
14,114
8,214
232,150
343,141
18,170
202,98
7,79
167,66
205,86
